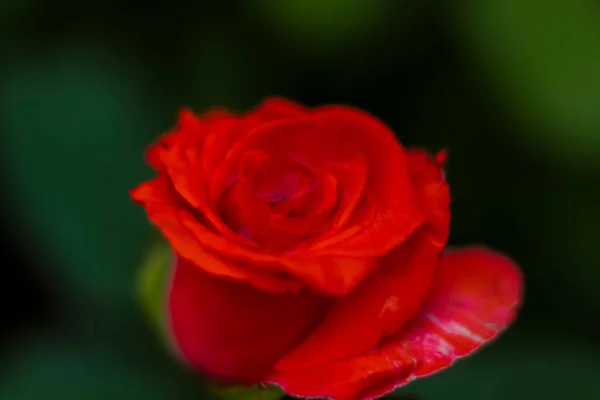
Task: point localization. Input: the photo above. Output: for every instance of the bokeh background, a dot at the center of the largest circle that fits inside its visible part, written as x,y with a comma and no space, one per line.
510,87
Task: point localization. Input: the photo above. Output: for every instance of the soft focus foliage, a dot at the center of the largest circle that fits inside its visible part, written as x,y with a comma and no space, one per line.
511,87
152,286
544,58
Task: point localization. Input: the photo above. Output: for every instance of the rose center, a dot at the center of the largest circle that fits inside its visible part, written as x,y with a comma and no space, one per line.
286,188
275,200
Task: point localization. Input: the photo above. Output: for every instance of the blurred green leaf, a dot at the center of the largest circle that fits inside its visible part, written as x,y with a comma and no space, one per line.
572,208
220,70
46,369
152,283
257,392
75,126
544,56
11,11
322,24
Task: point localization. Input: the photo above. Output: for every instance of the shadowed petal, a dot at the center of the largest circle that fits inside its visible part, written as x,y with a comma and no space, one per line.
163,204
377,308
232,331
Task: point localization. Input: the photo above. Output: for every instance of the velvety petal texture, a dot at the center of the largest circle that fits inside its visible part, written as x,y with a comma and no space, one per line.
474,297
297,193
309,250
225,328
392,295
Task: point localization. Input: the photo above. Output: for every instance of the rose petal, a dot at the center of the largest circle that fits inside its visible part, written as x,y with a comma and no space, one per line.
314,215
198,145
378,307
217,255
339,260
319,146
327,274
163,209
247,214
431,188
231,331
392,210
219,141
270,191
474,297
274,108
182,161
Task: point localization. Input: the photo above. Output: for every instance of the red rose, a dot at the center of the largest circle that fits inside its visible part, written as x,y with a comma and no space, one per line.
310,254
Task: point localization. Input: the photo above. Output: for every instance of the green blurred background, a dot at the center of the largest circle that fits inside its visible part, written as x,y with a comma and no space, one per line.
511,87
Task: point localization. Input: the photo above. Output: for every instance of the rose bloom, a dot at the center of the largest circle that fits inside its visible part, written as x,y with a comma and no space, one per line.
310,253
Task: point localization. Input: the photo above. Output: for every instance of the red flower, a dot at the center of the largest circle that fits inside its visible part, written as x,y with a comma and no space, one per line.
310,253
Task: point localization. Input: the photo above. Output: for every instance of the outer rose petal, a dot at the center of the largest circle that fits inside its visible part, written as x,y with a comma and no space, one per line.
218,143
378,307
388,217
190,154
334,265
275,108
226,328
392,295
189,238
218,130
434,193
183,163
474,298
163,205
394,210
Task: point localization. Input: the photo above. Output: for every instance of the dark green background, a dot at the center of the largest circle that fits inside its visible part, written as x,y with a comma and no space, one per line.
511,87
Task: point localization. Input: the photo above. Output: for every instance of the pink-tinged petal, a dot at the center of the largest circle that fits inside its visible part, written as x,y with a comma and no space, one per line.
231,331
474,297
377,308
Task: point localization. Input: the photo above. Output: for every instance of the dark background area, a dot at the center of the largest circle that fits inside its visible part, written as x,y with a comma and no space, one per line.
510,87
